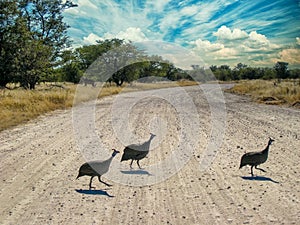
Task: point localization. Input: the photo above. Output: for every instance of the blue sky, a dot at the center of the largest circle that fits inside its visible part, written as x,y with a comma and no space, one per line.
257,33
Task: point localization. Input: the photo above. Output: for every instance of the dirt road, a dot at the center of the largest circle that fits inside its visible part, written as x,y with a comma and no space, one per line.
39,162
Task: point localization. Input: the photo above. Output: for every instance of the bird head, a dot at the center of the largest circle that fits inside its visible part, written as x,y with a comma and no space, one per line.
115,152
152,135
270,141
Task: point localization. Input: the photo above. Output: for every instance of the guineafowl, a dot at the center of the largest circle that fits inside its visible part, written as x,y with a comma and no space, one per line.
137,152
96,168
254,159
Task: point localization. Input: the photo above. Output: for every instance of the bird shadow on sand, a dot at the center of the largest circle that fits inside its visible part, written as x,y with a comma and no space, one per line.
136,172
94,192
259,178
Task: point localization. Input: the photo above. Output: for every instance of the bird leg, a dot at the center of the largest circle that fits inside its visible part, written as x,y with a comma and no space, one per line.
103,182
252,171
137,162
260,169
131,164
91,182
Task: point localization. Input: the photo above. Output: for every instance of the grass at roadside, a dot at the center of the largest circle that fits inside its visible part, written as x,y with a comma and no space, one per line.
270,92
18,106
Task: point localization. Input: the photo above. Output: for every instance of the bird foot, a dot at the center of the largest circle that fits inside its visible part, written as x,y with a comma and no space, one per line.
261,169
92,188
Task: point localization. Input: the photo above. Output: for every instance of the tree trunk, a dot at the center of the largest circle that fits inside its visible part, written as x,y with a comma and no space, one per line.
3,84
32,85
119,83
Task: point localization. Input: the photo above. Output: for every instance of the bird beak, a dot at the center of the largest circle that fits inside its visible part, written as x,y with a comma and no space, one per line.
116,150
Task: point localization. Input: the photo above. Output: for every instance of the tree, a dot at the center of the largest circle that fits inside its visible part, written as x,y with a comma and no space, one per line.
281,70
222,73
240,66
114,64
268,73
88,54
33,63
295,74
121,63
71,70
72,73
32,37
201,74
44,21
213,68
8,40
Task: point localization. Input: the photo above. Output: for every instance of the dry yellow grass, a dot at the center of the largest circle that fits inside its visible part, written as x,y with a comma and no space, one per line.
18,106
270,92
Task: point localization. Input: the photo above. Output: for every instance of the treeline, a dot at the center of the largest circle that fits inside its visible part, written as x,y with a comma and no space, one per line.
115,61
33,43
243,72
119,61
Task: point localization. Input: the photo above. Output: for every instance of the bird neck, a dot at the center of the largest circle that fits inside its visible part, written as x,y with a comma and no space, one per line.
267,148
149,141
109,159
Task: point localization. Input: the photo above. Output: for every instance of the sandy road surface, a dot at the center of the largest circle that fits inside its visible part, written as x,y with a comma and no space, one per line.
39,162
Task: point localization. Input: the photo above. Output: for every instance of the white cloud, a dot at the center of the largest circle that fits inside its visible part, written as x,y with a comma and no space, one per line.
190,10
175,18
226,33
291,56
87,3
133,34
205,11
85,7
226,53
181,57
258,42
207,46
159,5
169,21
91,39
258,38
235,44
211,52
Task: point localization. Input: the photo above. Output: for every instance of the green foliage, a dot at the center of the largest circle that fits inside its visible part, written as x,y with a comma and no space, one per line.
88,54
201,74
281,70
72,73
33,63
32,36
8,39
294,74
244,72
44,21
